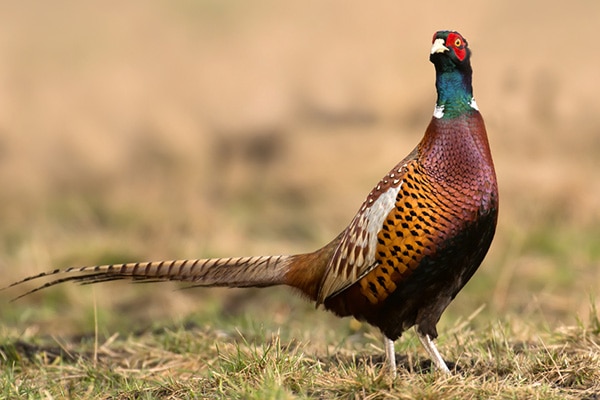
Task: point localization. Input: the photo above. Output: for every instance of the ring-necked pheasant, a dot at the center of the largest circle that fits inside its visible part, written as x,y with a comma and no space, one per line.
414,243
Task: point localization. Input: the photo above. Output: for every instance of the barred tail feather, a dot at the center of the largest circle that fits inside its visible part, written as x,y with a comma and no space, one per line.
257,271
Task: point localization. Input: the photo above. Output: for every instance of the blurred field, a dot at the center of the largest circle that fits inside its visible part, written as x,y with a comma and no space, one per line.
158,130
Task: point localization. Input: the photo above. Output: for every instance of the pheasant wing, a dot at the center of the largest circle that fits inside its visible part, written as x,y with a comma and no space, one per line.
355,255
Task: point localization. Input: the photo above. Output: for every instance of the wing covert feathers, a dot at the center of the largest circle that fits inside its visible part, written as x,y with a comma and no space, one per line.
356,254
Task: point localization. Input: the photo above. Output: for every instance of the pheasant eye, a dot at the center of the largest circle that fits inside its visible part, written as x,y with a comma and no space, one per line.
458,42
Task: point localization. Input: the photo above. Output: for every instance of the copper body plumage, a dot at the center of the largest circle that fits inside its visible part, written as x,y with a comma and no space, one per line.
417,239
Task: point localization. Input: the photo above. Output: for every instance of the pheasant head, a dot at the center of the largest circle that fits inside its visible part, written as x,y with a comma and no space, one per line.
451,56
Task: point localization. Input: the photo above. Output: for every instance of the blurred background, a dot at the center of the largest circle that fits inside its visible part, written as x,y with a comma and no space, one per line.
147,130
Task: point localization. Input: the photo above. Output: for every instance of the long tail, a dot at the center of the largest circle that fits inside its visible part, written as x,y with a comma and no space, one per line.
230,272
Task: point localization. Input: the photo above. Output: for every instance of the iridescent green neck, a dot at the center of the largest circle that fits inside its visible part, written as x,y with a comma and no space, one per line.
455,94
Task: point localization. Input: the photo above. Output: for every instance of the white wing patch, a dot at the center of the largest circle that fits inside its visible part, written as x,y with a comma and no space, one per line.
374,216
355,255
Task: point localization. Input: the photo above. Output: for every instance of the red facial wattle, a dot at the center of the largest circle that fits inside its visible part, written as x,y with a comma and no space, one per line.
458,44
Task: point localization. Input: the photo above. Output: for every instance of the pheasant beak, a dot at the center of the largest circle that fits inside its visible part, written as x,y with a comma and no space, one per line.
438,46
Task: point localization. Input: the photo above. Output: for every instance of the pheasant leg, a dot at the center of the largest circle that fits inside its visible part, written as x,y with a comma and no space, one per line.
390,355
433,352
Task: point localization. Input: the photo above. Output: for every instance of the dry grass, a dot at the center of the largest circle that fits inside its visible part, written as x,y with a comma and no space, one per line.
159,130
193,360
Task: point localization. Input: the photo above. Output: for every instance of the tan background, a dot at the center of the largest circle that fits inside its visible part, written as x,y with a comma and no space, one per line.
155,130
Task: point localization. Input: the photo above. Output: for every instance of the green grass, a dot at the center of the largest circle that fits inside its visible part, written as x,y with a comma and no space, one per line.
192,360
526,326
